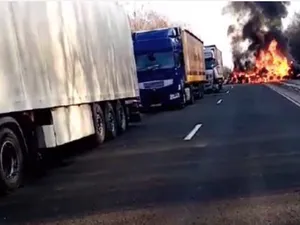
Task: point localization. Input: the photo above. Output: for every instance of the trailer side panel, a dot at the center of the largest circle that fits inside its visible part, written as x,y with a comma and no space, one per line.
193,57
60,53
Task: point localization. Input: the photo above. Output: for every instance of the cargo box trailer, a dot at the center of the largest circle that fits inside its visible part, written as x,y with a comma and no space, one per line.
67,71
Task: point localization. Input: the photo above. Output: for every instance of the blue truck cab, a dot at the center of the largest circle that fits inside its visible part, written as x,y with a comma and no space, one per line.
160,67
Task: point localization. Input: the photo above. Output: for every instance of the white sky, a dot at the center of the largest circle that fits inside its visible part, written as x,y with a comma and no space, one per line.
205,19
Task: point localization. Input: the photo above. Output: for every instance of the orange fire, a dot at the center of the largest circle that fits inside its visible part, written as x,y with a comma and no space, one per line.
270,65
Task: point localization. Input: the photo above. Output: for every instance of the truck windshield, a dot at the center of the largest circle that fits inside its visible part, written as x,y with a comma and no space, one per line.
210,63
159,60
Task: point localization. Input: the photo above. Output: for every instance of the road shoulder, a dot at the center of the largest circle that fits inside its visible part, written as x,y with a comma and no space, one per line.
291,95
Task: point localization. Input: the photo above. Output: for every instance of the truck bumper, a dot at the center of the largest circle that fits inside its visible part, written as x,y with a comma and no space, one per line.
158,98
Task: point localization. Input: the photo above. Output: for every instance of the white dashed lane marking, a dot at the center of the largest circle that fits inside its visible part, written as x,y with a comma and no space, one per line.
192,132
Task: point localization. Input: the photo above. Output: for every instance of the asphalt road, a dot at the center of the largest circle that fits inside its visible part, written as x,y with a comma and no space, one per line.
242,166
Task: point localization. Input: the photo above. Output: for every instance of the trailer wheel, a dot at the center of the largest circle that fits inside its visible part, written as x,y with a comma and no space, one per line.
99,123
110,121
192,97
198,94
11,160
121,117
201,91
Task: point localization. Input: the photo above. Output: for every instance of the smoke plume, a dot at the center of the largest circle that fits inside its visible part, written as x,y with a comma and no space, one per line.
258,23
293,33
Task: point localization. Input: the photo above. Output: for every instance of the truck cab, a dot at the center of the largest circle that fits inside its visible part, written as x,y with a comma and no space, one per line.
160,69
213,69
170,67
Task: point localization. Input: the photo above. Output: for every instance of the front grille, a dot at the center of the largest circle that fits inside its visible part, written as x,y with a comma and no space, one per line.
154,84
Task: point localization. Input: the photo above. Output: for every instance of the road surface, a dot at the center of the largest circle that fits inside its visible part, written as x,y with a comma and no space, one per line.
232,158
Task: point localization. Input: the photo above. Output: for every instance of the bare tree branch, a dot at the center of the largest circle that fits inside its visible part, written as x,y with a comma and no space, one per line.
144,18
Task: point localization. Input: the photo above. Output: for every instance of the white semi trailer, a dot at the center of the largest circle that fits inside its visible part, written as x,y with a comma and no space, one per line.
67,71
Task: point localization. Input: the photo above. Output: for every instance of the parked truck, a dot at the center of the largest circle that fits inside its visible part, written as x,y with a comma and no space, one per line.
67,71
213,68
170,67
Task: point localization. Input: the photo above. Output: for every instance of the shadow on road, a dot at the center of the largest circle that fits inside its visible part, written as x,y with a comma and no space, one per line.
252,153
107,182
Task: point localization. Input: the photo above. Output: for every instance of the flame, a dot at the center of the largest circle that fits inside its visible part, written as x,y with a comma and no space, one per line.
270,65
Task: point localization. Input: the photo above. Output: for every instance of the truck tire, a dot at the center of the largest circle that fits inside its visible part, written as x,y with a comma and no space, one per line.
217,90
201,91
182,103
110,121
11,160
197,95
192,97
220,87
99,123
121,117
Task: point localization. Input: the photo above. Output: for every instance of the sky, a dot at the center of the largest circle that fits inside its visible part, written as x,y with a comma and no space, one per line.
204,18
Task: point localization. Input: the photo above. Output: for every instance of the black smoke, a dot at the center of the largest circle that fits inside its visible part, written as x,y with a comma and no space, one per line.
258,23
293,33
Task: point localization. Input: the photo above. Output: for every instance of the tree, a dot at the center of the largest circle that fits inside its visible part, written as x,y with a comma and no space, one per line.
142,17
147,20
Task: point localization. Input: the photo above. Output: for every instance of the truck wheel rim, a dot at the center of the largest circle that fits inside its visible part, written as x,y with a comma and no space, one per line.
9,160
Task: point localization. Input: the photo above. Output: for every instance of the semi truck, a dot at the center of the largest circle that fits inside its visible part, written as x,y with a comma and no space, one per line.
213,68
67,71
170,67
